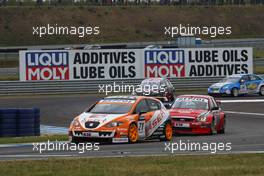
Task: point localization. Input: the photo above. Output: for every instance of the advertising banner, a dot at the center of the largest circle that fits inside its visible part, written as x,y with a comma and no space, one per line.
198,62
80,64
133,63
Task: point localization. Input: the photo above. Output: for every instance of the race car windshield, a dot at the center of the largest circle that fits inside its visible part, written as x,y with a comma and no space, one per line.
230,79
150,83
107,108
191,104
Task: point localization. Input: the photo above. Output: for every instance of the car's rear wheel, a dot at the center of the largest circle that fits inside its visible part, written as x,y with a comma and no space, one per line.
235,92
133,133
261,91
168,132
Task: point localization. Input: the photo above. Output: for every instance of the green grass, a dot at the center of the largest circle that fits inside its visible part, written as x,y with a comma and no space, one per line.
217,165
9,78
258,53
259,69
31,139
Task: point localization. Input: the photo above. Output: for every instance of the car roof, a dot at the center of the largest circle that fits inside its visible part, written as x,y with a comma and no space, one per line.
123,97
128,97
153,80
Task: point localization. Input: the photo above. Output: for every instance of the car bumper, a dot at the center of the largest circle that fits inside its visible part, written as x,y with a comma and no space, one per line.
99,136
191,127
219,94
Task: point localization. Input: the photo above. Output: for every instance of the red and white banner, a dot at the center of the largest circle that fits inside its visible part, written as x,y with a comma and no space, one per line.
134,63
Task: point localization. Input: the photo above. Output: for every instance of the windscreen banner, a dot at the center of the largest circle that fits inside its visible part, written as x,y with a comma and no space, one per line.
133,63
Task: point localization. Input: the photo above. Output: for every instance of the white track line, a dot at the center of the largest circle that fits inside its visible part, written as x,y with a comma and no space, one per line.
40,157
27,144
245,113
37,155
242,101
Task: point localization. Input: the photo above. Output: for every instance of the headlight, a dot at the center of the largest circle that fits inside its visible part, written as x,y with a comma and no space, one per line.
202,118
114,124
75,123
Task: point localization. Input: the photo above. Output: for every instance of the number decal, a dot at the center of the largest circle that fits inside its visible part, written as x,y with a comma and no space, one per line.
141,128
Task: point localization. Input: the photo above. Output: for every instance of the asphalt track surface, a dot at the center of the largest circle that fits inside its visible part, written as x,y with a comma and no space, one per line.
244,129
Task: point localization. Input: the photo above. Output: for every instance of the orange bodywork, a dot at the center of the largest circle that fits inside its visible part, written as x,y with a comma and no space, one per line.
121,132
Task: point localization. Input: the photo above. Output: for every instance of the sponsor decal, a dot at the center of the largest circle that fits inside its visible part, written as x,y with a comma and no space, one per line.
120,140
252,86
158,118
117,101
47,66
164,63
209,62
191,99
104,64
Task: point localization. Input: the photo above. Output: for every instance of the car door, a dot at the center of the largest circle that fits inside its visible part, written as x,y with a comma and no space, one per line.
253,84
143,118
215,111
157,116
244,81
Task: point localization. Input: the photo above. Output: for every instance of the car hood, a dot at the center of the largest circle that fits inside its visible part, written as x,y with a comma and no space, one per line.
103,119
188,113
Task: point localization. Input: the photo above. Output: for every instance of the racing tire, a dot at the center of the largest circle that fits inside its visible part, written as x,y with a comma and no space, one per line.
213,129
168,132
74,140
222,130
261,91
235,92
132,133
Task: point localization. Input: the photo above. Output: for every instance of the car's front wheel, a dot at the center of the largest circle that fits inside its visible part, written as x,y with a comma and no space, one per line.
133,133
222,130
261,91
213,127
168,132
74,140
235,92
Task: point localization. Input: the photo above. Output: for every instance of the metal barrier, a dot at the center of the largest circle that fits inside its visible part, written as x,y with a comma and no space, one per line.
91,86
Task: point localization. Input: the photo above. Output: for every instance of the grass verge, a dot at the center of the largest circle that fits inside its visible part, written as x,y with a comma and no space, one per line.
31,139
259,69
9,78
117,23
258,53
242,165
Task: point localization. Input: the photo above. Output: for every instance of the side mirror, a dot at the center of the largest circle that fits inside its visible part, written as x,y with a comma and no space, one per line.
242,81
167,105
141,118
218,102
215,108
142,112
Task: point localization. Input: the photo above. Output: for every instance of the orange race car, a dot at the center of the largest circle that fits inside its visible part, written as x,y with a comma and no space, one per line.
121,119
